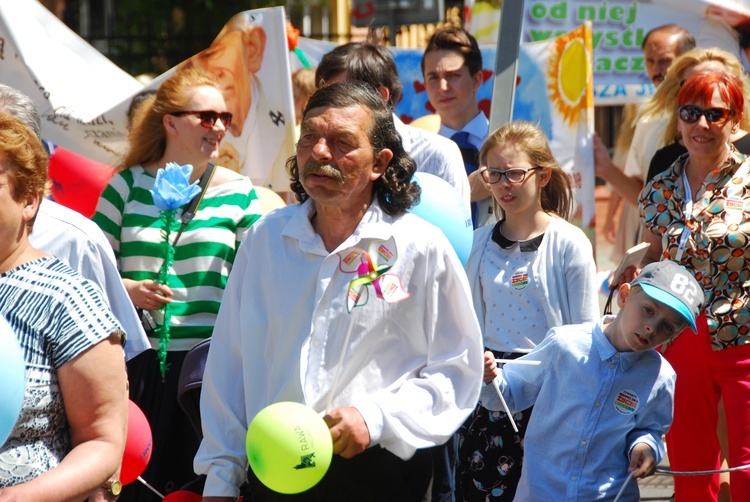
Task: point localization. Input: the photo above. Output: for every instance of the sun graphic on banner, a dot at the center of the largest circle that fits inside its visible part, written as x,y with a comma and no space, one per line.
567,74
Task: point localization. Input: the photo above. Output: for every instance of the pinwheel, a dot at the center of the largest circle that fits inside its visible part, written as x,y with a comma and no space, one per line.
372,268
372,272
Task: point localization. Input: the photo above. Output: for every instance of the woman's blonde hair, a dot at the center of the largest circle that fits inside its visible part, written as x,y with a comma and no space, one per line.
664,100
26,160
148,139
557,195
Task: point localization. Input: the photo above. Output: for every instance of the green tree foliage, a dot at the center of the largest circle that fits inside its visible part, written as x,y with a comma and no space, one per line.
151,36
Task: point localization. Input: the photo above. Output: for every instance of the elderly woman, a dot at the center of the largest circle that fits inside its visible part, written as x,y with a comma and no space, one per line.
696,213
70,435
183,123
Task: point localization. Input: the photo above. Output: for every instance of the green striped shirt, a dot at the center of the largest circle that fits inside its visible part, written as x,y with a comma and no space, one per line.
203,255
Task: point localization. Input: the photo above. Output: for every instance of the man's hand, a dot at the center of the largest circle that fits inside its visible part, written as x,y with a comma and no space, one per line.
642,461
348,431
602,162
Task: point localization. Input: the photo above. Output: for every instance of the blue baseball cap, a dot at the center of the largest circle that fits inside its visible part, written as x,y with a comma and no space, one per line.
670,284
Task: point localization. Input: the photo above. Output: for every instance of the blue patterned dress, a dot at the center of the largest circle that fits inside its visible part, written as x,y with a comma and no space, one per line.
56,315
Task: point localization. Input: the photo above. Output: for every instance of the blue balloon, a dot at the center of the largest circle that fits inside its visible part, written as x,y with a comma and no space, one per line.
442,205
12,379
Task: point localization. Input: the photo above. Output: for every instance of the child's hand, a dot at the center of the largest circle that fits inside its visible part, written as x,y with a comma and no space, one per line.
627,275
490,367
642,461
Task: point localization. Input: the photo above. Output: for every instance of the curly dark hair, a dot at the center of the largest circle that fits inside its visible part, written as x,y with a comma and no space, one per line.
395,189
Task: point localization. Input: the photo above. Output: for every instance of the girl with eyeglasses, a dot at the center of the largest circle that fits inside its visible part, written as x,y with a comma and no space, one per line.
531,271
696,214
184,122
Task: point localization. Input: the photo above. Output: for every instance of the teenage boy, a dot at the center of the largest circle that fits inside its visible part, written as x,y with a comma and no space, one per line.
452,71
602,396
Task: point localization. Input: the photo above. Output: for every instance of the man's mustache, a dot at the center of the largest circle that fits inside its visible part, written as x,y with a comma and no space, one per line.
659,77
324,170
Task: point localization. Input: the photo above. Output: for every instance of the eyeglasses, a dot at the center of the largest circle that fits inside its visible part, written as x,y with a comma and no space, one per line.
692,114
493,176
208,117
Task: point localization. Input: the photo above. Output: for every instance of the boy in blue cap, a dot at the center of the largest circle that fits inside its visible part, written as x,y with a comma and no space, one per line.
602,396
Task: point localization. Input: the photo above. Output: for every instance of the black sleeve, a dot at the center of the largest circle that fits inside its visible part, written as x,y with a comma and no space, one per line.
663,159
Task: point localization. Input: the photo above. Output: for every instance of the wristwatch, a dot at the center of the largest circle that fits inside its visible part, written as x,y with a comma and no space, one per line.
113,486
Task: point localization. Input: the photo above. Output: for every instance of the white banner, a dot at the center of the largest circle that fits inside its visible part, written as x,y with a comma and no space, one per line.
83,97
619,27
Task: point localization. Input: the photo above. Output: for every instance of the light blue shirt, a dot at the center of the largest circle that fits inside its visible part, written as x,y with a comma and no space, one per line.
592,405
478,129
80,243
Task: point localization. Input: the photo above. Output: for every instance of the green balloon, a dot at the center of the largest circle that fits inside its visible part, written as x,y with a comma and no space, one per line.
289,447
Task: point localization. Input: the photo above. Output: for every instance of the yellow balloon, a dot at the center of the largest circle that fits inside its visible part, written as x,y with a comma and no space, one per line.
428,122
268,199
289,447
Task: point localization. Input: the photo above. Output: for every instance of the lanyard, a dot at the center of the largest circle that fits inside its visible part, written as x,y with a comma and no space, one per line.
688,213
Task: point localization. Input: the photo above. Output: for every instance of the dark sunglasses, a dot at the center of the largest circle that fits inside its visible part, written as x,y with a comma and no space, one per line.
208,117
692,114
493,176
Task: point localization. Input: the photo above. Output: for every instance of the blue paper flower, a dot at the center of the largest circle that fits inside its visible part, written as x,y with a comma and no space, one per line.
172,187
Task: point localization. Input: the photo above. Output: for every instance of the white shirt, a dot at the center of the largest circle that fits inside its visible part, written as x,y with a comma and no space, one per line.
413,368
435,155
80,243
646,141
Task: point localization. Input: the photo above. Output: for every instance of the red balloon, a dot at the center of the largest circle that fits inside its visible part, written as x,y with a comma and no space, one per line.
182,496
77,181
138,445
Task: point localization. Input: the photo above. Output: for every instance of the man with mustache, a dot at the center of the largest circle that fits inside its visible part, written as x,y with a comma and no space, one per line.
348,272
374,64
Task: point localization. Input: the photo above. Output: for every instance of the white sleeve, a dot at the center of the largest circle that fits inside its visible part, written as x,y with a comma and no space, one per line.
520,384
222,455
633,165
580,282
98,265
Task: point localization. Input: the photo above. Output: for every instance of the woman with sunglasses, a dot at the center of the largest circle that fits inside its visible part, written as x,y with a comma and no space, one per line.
531,271
664,103
184,123
696,214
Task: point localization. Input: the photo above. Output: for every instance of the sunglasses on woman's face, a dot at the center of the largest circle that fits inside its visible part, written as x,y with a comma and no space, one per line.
692,114
208,117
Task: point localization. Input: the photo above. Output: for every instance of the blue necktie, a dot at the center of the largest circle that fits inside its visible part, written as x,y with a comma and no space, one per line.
471,162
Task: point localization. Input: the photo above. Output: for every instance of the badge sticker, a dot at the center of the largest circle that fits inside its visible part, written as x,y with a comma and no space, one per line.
733,209
733,204
626,402
519,280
